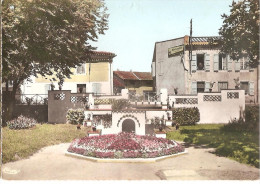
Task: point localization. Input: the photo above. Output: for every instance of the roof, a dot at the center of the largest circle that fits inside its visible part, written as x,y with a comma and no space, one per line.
205,40
102,53
125,75
100,56
117,83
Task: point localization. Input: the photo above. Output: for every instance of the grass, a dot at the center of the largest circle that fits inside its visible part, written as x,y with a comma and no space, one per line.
18,144
240,146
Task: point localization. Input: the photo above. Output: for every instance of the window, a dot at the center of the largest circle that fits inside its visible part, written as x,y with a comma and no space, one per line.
222,62
244,63
81,69
200,61
81,88
222,85
244,86
200,87
96,87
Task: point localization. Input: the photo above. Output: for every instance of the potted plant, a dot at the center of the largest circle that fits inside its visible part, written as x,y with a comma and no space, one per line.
88,116
237,84
177,126
211,86
176,91
52,86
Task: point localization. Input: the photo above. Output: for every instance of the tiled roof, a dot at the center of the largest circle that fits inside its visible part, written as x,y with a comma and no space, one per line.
103,53
118,83
133,75
144,75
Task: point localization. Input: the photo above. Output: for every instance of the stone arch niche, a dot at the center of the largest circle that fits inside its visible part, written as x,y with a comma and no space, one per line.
128,125
126,121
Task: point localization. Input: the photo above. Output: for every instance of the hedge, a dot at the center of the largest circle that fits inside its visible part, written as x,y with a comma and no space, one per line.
186,116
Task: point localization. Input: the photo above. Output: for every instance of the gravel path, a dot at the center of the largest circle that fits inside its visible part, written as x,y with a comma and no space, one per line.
50,163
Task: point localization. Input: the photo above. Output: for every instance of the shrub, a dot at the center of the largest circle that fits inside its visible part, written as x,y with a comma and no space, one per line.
120,104
75,116
186,116
21,122
250,123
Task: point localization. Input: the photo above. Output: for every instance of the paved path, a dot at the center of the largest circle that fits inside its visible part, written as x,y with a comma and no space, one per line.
50,163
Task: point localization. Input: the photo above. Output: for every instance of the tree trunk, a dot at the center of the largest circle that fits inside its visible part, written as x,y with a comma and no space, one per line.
10,104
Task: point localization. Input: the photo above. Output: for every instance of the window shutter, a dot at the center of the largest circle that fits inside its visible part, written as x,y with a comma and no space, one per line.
207,62
194,87
251,88
194,63
153,69
216,62
224,63
229,62
207,86
237,65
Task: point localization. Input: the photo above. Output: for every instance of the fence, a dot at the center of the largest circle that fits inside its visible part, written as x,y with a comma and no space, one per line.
214,107
31,99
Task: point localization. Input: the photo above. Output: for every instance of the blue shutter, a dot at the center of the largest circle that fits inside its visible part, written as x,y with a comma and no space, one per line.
194,63
229,63
207,62
194,87
207,86
216,62
237,65
251,88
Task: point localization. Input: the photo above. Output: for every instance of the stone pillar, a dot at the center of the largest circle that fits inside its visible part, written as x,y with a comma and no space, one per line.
164,97
124,93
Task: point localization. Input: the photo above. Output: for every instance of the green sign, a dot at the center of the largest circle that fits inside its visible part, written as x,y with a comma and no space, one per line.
175,50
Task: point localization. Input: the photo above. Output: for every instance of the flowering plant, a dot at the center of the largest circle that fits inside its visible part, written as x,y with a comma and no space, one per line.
124,145
21,122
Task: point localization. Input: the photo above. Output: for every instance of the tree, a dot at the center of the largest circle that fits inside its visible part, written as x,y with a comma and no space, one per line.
240,31
48,37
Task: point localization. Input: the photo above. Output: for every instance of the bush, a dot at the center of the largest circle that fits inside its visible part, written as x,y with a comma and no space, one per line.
21,122
186,116
250,123
75,116
120,104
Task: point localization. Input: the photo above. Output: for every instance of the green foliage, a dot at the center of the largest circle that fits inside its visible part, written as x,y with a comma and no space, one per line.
48,37
238,145
251,122
158,122
75,116
186,116
120,104
240,31
21,123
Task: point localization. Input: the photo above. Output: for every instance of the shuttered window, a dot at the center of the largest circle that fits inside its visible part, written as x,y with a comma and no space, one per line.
251,88
207,62
237,65
215,61
194,63
207,86
81,69
194,87
96,87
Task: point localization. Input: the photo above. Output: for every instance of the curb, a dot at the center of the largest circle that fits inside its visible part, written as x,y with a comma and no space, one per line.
125,160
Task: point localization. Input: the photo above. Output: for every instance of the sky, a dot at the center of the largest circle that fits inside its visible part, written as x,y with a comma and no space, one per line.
135,26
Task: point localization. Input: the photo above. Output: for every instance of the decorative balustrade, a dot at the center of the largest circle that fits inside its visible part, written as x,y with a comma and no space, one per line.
214,98
79,99
231,95
186,100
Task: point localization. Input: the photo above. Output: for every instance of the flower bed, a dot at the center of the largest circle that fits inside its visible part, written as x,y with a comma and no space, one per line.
124,145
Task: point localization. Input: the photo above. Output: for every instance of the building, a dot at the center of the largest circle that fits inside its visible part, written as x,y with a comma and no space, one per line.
201,67
136,82
95,75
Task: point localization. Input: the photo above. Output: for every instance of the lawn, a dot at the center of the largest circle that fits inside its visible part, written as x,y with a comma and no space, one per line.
18,144
240,146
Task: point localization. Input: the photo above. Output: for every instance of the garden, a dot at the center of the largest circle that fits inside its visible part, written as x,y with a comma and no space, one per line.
124,145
